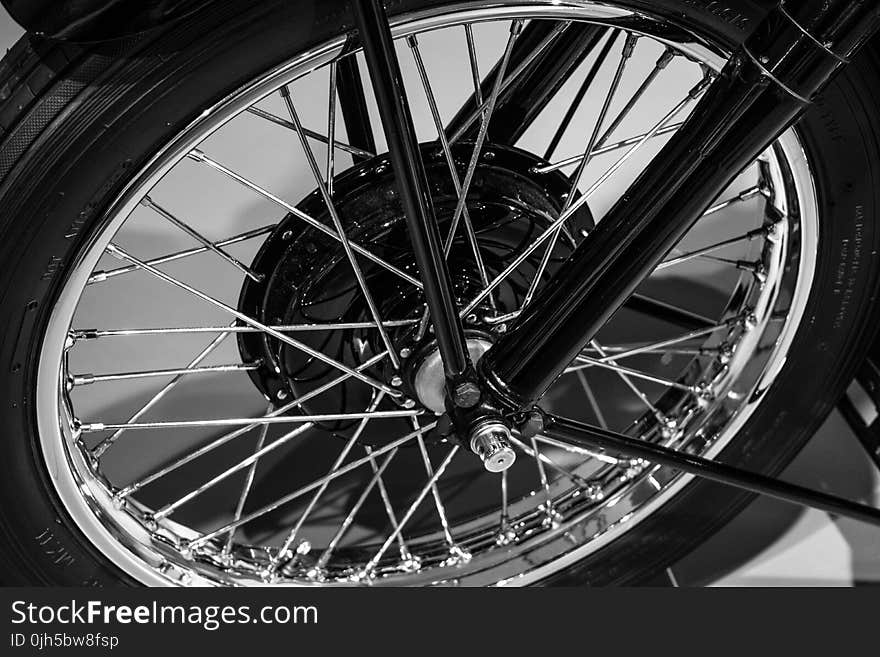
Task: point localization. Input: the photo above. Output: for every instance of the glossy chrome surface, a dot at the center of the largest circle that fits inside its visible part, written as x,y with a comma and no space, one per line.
575,510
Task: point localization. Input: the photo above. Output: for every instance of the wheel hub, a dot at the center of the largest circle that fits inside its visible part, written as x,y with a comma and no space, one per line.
429,382
307,279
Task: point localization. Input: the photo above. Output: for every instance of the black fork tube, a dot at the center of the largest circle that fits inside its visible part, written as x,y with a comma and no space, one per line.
412,182
763,89
521,102
623,446
353,103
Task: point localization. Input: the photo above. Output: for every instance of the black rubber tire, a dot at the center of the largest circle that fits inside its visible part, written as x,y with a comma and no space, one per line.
76,123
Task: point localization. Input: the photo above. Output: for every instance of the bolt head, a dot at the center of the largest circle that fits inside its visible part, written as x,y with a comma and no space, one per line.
467,395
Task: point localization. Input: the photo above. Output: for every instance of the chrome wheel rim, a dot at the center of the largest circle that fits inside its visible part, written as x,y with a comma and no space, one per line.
575,508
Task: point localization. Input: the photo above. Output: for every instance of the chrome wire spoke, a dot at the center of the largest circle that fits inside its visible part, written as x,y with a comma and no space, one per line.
170,508
450,162
116,250
101,276
610,148
542,477
514,75
311,134
474,63
94,334
611,365
653,346
340,230
745,195
435,493
331,127
283,553
486,119
632,386
92,427
704,251
628,49
378,470
504,518
405,554
668,55
591,398
575,103
563,217
108,442
224,439
196,235
371,564
309,487
199,156
88,379
247,485
487,110
581,451
547,462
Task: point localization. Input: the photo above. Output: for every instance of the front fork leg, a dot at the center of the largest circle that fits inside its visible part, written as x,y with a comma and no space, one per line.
412,183
475,427
764,88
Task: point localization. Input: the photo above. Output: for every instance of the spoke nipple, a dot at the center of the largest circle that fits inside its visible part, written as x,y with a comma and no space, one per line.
396,381
725,353
406,352
467,395
552,517
595,491
457,556
408,403
70,340
186,549
506,536
281,395
491,442
316,574
669,427
634,467
150,523
409,563
705,394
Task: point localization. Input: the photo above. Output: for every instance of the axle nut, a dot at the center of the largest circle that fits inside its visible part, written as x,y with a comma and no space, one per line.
467,395
491,442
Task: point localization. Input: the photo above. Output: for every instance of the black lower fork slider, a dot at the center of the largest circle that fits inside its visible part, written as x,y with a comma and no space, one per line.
589,437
